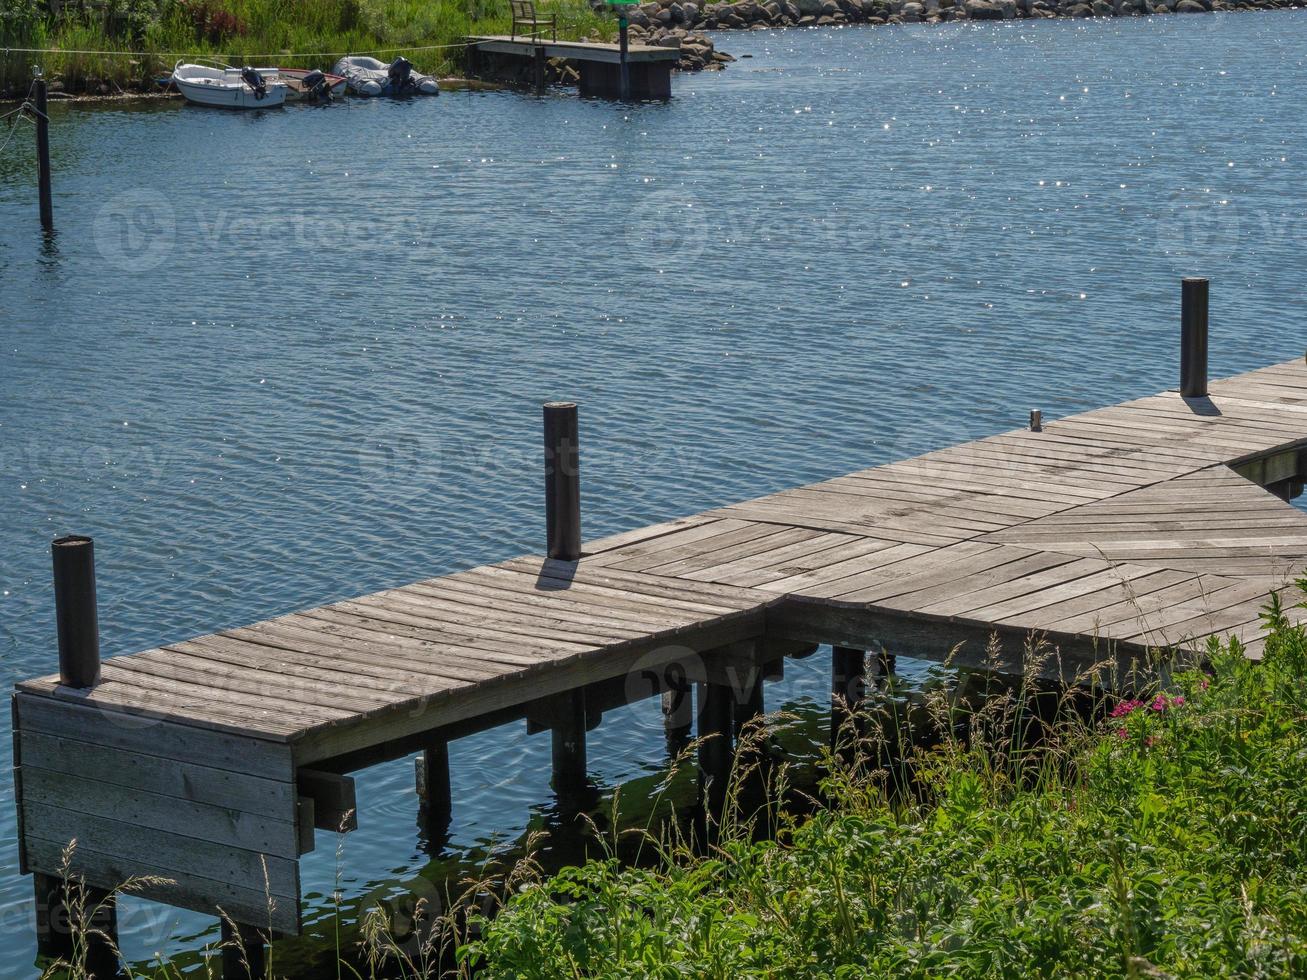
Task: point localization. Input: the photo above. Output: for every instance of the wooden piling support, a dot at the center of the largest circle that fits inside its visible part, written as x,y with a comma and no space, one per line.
848,688
64,909
1193,337
75,611
569,727
678,714
244,953
41,104
715,751
562,481
433,786
538,70
624,66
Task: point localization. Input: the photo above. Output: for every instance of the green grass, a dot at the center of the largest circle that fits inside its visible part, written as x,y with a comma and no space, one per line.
1036,833
1169,841
264,32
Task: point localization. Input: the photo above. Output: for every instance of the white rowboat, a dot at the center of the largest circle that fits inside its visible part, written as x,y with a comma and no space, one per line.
229,88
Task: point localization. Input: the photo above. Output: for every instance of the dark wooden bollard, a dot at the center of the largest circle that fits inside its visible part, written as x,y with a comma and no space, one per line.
1193,338
715,752
75,611
562,482
41,104
244,954
848,688
624,66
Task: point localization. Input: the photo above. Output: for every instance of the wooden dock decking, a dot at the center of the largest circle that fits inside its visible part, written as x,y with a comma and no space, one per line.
1138,525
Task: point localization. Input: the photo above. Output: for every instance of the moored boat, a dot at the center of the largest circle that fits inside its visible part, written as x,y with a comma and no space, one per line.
368,76
226,87
312,84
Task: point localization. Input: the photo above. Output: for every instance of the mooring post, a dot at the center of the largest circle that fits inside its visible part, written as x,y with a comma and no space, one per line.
569,726
75,610
562,482
1193,337
624,66
43,149
244,955
715,752
433,785
539,69
1036,420
848,688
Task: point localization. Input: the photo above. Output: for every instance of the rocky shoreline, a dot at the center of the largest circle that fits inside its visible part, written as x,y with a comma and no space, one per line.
677,23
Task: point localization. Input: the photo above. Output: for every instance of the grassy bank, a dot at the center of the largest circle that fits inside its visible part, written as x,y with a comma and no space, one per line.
290,32
1039,834
1166,838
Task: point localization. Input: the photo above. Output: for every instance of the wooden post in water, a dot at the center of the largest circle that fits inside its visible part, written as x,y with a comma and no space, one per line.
42,107
244,955
75,611
624,68
1193,337
562,482
538,69
678,713
715,752
433,787
63,909
848,688
568,729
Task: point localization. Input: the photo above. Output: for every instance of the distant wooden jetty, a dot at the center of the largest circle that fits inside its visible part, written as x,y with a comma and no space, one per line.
650,67
1158,522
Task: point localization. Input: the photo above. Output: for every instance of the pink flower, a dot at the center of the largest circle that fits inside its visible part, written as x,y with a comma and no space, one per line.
1177,701
1124,708
1122,733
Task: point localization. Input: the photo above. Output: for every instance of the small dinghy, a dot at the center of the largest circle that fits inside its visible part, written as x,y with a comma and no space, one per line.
229,88
311,85
368,76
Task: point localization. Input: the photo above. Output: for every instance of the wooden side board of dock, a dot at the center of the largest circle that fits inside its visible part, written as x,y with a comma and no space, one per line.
1155,523
649,67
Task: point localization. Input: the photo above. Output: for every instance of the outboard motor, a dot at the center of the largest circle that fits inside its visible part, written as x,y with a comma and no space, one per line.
315,84
401,75
255,81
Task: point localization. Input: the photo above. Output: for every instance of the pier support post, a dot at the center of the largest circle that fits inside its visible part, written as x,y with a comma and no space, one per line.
65,908
562,482
75,611
41,104
678,713
538,70
569,726
848,688
433,788
715,753
624,68
1193,337
244,954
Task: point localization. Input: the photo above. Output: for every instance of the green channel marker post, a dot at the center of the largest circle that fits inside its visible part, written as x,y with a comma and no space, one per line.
619,8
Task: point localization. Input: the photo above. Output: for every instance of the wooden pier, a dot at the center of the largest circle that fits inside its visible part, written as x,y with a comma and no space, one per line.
1157,522
597,64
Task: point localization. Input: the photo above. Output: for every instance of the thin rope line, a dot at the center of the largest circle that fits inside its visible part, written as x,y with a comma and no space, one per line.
191,54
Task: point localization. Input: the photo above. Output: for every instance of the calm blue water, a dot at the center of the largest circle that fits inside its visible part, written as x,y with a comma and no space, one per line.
273,360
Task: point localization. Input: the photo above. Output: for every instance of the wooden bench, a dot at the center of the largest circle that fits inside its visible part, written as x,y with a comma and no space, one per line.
524,15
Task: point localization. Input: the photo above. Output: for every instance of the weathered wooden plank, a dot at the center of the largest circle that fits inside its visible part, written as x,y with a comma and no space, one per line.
250,905
215,823
150,773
